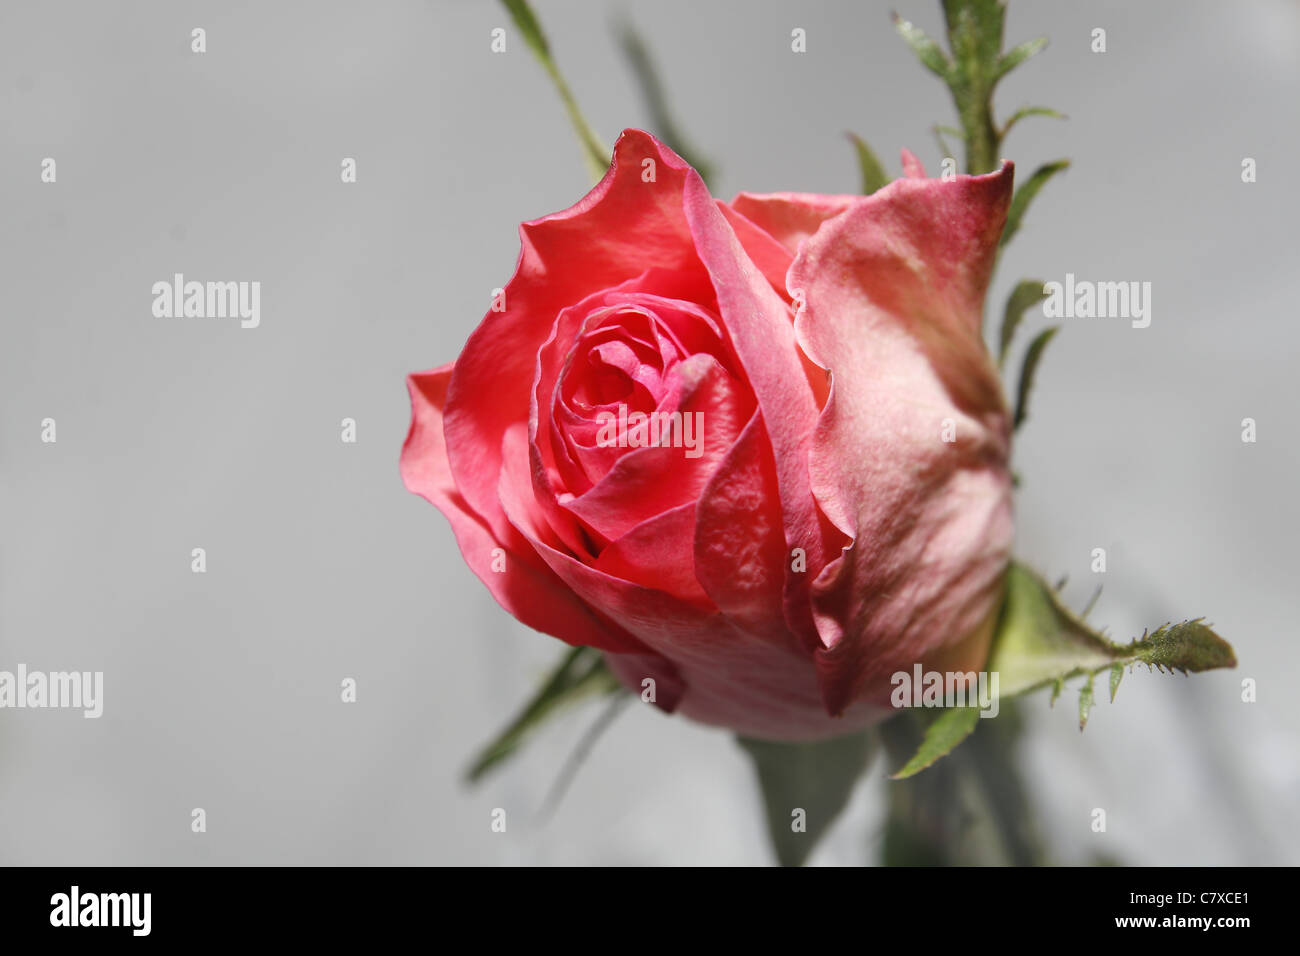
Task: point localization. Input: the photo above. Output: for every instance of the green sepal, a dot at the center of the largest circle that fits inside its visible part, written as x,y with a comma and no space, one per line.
1085,702
927,51
951,727
1025,195
873,173
1027,111
816,778
1039,642
1027,293
1028,368
1017,55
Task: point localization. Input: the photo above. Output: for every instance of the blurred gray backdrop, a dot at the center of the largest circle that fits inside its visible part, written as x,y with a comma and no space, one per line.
222,689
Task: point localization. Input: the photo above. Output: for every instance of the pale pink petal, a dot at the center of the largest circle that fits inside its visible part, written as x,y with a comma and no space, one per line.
894,294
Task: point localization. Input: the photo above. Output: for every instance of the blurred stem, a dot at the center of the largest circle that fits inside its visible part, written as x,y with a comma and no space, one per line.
975,39
656,98
990,757
617,701
920,823
595,152
970,808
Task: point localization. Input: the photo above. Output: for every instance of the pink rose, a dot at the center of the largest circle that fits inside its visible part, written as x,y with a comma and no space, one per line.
830,506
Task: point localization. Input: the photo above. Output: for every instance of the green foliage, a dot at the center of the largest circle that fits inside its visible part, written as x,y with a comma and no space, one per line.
1028,293
594,151
581,673
873,173
656,99
1038,642
972,69
1024,113
1025,195
951,727
814,779
1033,355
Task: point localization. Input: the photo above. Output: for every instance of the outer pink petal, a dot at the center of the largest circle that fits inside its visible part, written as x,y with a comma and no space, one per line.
790,218
912,167
655,554
527,588
760,327
740,551
894,293
772,256
618,230
705,665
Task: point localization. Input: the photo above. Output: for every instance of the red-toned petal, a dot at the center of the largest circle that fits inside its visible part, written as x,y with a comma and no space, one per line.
763,336
912,167
740,550
613,234
790,218
524,586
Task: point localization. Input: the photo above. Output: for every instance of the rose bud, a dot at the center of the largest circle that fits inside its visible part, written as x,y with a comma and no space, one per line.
756,452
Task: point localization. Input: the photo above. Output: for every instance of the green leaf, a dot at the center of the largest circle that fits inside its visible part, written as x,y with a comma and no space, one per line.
1025,195
656,99
975,33
1028,293
1040,642
975,39
581,673
873,174
594,151
816,778
1028,111
1017,55
1085,702
949,729
970,808
1027,371
926,50
972,69
1092,602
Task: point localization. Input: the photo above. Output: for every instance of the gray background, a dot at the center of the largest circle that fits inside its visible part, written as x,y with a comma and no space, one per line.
222,689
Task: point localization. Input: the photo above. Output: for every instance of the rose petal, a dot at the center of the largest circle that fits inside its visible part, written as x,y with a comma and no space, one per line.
894,295
790,218
740,552
651,555
613,234
527,588
763,335
645,482
912,167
